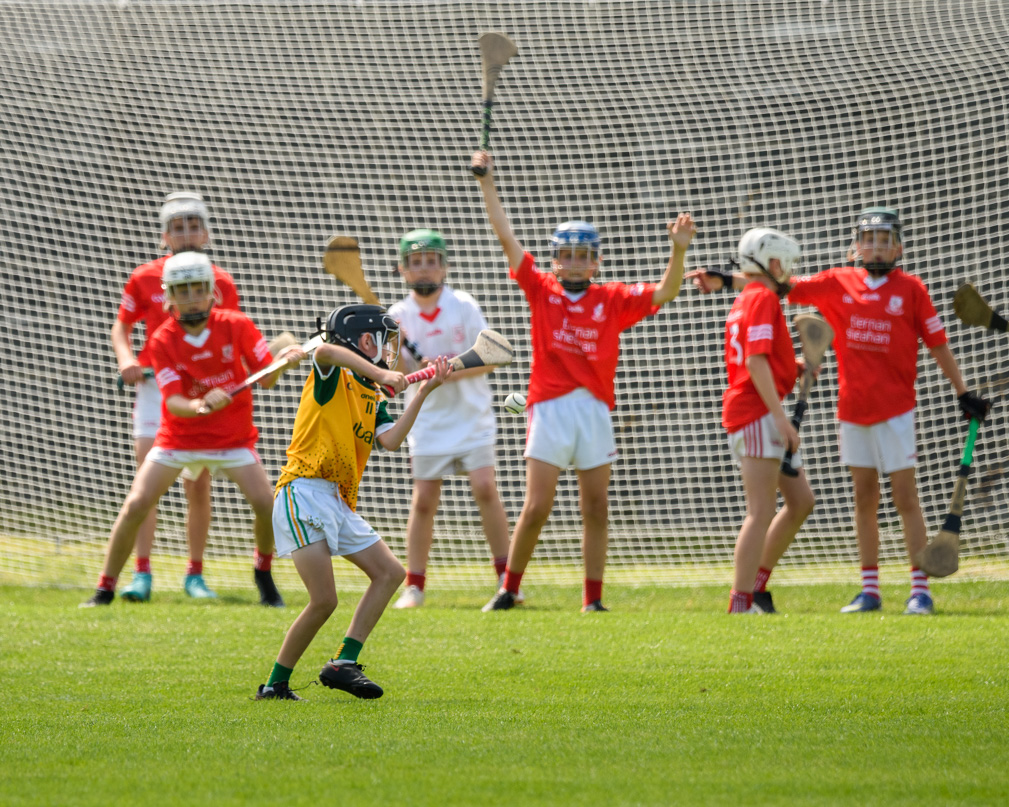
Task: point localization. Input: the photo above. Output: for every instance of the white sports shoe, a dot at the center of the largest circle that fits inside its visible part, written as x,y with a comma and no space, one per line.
412,597
519,598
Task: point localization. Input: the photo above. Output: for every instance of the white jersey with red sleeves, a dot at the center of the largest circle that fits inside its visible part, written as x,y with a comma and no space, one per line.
193,365
755,326
144,299
877,324
457,416
576,342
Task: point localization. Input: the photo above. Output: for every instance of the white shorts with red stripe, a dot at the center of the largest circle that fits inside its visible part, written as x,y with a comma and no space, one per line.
306,511
146,409
574,429
760,439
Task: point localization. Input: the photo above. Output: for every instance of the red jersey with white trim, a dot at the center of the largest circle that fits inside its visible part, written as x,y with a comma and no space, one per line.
576,343
144,299
877,325
193,365
755,326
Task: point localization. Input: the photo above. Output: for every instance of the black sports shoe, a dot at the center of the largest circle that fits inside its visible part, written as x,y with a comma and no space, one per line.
595,605
502,601
268,594
349,678
279,691
762,599
100,597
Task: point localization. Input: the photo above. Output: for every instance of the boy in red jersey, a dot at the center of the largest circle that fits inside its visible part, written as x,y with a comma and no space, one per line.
185,226
761,368
575,330
878,314
198,355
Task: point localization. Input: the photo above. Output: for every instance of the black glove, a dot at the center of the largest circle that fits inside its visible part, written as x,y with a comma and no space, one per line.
974,406
725,275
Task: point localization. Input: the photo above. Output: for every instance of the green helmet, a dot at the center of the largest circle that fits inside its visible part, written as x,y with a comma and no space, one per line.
423,241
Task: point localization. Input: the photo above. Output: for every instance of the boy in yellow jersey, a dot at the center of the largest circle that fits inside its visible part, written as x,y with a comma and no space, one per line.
341,416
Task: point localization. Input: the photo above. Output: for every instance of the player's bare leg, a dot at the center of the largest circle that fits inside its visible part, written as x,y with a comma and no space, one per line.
867,492
198,514
483,483
386,574
315,566
866,484
419,537
145,535
799,504
150,484
593,490
904,489
593,499
541,487
760,486
252,481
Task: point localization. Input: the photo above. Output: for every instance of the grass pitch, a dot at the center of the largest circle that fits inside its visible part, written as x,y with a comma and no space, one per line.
666,700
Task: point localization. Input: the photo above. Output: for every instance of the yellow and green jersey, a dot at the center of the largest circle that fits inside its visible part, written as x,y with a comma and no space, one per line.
334,431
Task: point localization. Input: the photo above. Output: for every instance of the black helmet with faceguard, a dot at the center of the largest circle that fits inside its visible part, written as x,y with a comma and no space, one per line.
347,324
877,219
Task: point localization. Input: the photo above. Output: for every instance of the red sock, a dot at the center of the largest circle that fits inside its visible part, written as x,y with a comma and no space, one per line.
143,565
417,580
194,567
739,602
870,580
500,564
593,591
512,581
261,562
106,583
763,575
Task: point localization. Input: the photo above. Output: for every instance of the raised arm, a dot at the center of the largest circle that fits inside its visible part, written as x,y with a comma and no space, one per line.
681,232
495,210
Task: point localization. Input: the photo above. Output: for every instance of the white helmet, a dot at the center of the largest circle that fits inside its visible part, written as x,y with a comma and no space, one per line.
183,269
183,203
758,246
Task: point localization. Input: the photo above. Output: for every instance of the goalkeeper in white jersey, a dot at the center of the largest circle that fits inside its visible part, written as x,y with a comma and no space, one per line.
456,430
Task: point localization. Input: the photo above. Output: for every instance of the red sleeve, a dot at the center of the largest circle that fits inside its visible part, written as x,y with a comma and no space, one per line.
168,378
763,314
129,306
633,303
930,326
228,289
526,276
254,347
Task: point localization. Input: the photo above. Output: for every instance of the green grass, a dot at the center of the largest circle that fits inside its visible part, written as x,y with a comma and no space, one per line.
666,700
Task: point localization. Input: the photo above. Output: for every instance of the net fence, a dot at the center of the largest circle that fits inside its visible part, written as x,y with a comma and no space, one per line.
296,121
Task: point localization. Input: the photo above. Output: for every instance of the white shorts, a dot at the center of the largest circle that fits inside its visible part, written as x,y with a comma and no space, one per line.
307,511
574,429
888,446
146,409
442,465
192,463
761,440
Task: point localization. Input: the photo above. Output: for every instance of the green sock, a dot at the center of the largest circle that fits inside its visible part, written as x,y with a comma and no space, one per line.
280,673
349,649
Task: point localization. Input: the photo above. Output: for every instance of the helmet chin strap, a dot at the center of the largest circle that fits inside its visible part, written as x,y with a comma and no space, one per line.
575,285
781,288
878,269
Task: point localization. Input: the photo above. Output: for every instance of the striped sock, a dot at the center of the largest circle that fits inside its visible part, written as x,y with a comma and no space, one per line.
280,673
349,649
414,579
870,581
593,591
919,582
739,602
763,575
